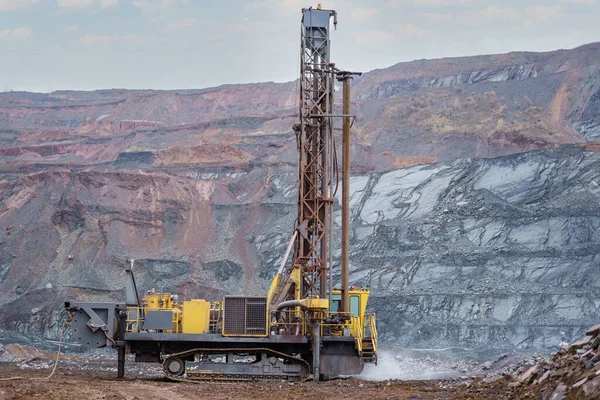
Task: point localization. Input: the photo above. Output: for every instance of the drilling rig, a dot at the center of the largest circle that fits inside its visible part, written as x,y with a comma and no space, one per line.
304,326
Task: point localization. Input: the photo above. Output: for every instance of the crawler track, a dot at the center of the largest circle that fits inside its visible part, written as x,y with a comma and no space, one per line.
269,365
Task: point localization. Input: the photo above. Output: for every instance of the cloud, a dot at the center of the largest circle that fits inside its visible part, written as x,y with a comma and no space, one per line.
479,18
493,12
411,31
493,15
249,24
585,2
395,32
91,40
288,4
18,33
360,15
108,3
433,3
85,3
154,6
74,3
441,3
373,36
186,24
438,18
542,12
10,5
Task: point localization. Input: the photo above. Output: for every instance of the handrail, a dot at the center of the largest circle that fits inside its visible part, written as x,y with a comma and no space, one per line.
371,324
358,333
133,324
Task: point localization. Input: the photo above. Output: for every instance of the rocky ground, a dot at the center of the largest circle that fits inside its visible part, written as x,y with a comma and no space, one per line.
572,373
102,385
92,375
399,375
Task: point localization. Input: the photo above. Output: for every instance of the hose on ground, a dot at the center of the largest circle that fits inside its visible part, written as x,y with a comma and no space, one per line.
62,333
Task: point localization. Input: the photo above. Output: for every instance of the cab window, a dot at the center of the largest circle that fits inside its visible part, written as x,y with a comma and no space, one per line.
336,302
355,305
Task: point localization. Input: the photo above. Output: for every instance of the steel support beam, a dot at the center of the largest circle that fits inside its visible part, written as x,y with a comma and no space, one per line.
121,361
316,351
121,349
344,306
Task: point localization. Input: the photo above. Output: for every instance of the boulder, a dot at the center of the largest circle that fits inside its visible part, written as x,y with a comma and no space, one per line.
593,331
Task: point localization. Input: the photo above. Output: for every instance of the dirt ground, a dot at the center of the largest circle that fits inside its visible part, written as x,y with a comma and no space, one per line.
88,384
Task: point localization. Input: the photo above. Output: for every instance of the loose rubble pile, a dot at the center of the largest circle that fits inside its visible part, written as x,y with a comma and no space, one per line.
29,357
15,351
573,372
19,352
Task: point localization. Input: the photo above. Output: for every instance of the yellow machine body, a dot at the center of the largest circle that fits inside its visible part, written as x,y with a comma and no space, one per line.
199,316
315,304
157,301
196,316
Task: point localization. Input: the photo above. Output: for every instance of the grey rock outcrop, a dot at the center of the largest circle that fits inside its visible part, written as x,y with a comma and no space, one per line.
495,253
481,253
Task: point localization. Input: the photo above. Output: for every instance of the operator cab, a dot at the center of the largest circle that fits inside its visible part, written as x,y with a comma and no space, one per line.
358,299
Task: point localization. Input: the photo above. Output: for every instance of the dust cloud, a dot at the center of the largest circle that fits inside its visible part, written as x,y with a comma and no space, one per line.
406,366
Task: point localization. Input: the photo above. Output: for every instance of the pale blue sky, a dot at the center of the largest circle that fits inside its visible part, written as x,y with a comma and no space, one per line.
175,44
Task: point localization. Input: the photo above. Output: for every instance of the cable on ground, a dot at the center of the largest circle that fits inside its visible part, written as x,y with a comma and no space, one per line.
62,333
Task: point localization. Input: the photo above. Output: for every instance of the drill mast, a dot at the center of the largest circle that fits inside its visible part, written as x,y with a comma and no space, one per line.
314,138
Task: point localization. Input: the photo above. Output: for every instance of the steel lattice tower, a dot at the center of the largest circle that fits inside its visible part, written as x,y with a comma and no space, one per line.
314,139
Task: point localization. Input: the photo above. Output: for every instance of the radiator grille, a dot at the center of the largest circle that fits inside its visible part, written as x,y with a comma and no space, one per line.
245,316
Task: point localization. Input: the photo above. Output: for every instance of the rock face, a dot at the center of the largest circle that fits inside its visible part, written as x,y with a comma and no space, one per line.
200,188
496,252
410,113
476,253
